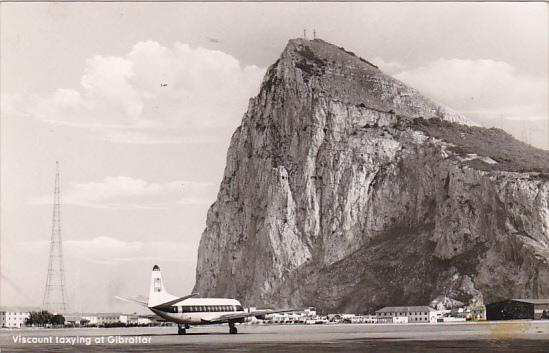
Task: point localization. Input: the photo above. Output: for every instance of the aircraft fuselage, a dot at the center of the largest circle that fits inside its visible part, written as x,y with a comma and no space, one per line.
196,311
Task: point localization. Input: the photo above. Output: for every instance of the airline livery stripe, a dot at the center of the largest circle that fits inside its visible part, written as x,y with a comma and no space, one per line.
200,308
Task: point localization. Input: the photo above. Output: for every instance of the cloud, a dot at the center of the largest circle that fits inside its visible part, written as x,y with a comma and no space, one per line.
481,87
388,67
123,192
153,94
109,250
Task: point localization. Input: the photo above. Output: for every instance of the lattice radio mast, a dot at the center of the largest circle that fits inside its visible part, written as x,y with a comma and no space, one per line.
54,295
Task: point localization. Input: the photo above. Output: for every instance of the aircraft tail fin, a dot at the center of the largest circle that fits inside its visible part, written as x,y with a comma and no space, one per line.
157,293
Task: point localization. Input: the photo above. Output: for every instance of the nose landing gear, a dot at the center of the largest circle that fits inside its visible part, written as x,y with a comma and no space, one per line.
232,328
181,329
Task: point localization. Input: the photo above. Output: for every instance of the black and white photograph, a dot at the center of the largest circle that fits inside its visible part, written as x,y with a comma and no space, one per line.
274,177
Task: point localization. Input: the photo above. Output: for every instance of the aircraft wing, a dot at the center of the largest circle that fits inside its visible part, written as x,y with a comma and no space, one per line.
245,314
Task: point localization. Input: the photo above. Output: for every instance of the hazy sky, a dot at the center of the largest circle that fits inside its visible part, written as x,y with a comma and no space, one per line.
83,83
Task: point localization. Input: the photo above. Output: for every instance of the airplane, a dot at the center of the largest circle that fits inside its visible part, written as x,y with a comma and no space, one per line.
189,310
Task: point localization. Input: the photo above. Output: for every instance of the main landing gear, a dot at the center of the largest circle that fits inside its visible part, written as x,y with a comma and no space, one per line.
232,328
181,329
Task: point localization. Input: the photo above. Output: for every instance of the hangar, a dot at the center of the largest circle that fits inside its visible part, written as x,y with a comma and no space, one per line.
514,309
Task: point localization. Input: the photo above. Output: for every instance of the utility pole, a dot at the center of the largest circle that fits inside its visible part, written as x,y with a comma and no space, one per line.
54,294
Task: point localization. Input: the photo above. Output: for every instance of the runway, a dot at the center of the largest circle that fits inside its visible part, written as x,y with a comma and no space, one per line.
516,336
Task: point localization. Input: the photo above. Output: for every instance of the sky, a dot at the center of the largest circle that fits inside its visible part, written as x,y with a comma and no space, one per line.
138,101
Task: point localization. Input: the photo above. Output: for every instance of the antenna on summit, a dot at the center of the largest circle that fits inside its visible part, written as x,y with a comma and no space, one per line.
314,33
304,33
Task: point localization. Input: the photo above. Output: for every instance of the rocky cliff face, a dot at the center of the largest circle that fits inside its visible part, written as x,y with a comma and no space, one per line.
347,190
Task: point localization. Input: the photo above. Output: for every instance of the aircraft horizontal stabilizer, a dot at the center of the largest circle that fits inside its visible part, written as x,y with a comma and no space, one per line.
172,302
138,302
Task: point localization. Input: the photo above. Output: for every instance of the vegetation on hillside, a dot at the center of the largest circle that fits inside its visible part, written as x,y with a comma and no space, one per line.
509,153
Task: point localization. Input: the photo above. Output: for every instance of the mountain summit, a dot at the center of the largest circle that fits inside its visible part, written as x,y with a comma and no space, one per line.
343,76
347,190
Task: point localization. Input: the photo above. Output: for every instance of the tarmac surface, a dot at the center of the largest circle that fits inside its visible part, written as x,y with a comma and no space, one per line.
508,336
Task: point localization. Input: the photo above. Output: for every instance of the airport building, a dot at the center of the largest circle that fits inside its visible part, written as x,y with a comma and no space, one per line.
100,319
408,314
13,319
133,319
515,309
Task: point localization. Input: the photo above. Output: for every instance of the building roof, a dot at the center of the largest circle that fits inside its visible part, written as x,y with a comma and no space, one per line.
394,309
102,314
532,301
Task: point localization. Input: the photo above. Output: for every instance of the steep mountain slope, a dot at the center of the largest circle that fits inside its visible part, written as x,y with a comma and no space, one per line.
347,190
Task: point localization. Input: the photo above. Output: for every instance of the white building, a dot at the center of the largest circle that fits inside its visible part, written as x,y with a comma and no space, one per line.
359,319
143,321
100,319
130,319
13,319
310,311
72,319
410,314
400,319
369,319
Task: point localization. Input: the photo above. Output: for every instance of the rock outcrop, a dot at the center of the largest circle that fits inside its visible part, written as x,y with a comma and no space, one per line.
347,190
